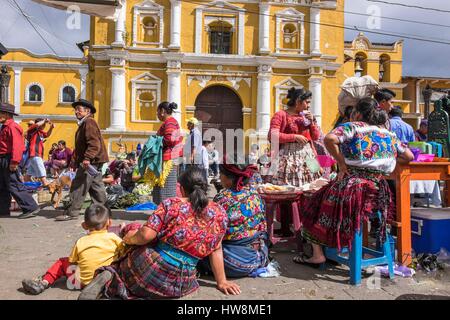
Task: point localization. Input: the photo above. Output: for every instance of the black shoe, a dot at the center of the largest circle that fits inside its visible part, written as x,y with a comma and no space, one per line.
30,214
34,287
93,289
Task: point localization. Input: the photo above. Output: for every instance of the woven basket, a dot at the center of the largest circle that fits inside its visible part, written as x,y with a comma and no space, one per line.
44,196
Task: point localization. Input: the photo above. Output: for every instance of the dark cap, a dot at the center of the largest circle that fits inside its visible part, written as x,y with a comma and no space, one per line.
84,103
8,108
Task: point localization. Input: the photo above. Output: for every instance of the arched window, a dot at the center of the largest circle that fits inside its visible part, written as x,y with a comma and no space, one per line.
35,93
150,29
290,36
360,65
68,94
385,68
220,37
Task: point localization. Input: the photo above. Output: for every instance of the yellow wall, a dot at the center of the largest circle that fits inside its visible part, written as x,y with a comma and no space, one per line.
52,80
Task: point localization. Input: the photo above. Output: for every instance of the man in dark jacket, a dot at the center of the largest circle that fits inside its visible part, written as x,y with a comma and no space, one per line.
89,156
11,150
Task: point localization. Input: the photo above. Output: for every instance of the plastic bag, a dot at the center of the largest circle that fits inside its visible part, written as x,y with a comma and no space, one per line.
143,206
272,270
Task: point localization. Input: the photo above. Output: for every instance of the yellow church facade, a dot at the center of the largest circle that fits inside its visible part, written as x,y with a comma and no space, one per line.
228,63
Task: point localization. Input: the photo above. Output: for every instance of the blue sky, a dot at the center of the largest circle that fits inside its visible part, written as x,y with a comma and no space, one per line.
420,58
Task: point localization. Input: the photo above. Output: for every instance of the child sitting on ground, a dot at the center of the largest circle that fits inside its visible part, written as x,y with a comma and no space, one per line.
95,250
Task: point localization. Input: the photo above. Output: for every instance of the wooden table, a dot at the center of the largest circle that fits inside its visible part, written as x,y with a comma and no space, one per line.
403,174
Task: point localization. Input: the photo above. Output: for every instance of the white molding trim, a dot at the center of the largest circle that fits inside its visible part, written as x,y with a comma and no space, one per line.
144,81
27,93
60,100
61,117
293,16
282,88
148,8
45,65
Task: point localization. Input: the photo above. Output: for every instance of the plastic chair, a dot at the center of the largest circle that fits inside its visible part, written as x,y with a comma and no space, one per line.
355,260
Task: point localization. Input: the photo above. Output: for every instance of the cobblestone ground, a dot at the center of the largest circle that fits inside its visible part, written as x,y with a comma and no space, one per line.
28,247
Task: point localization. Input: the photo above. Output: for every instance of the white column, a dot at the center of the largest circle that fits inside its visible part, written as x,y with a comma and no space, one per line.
175,24
315,86
241,35
120,25
174,91
263,103
264,24
315,31
83,75
198,30
17,89
118,101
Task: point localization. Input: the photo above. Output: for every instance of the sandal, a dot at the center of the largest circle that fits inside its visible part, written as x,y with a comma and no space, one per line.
301,259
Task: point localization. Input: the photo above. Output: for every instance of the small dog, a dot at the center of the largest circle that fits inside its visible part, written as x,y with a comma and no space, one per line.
57,186
217,184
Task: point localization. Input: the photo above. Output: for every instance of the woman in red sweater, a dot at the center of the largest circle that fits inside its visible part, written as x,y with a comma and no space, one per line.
296,129
172,150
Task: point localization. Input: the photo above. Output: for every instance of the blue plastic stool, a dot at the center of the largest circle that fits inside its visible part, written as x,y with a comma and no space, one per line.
355,258
437,148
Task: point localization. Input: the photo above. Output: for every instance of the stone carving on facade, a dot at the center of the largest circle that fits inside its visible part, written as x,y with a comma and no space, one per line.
235,81
117,62
361,45
174,64
264,68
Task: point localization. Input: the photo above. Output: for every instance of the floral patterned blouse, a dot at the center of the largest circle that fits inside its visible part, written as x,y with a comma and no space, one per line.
178,225
368,146
246,212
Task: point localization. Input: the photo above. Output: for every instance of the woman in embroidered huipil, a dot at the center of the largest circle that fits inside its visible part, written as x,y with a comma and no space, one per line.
365,152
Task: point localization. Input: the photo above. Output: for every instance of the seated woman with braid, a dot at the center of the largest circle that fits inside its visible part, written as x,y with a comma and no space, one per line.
164,253
244,246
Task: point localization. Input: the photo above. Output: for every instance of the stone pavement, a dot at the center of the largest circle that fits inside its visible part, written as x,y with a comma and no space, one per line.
29,247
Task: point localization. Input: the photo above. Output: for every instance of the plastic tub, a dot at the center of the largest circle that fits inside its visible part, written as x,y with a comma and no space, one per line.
425,158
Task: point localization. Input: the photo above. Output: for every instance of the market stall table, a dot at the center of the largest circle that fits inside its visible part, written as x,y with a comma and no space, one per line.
403,175
273,202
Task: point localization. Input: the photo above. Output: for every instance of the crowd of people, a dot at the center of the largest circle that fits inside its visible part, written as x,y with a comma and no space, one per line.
190,233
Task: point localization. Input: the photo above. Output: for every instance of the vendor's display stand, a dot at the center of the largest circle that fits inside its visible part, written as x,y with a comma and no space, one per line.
403,175
273,201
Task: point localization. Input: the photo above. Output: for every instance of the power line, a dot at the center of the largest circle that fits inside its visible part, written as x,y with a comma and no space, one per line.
409,6
46,42
396,19
353,28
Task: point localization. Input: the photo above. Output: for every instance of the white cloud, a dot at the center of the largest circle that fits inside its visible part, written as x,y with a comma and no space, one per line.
16,31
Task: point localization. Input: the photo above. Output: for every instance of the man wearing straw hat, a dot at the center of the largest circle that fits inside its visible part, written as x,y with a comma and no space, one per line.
11,151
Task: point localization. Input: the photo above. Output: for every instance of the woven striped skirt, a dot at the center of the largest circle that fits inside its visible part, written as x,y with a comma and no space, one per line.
143,273
292,165
170,188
